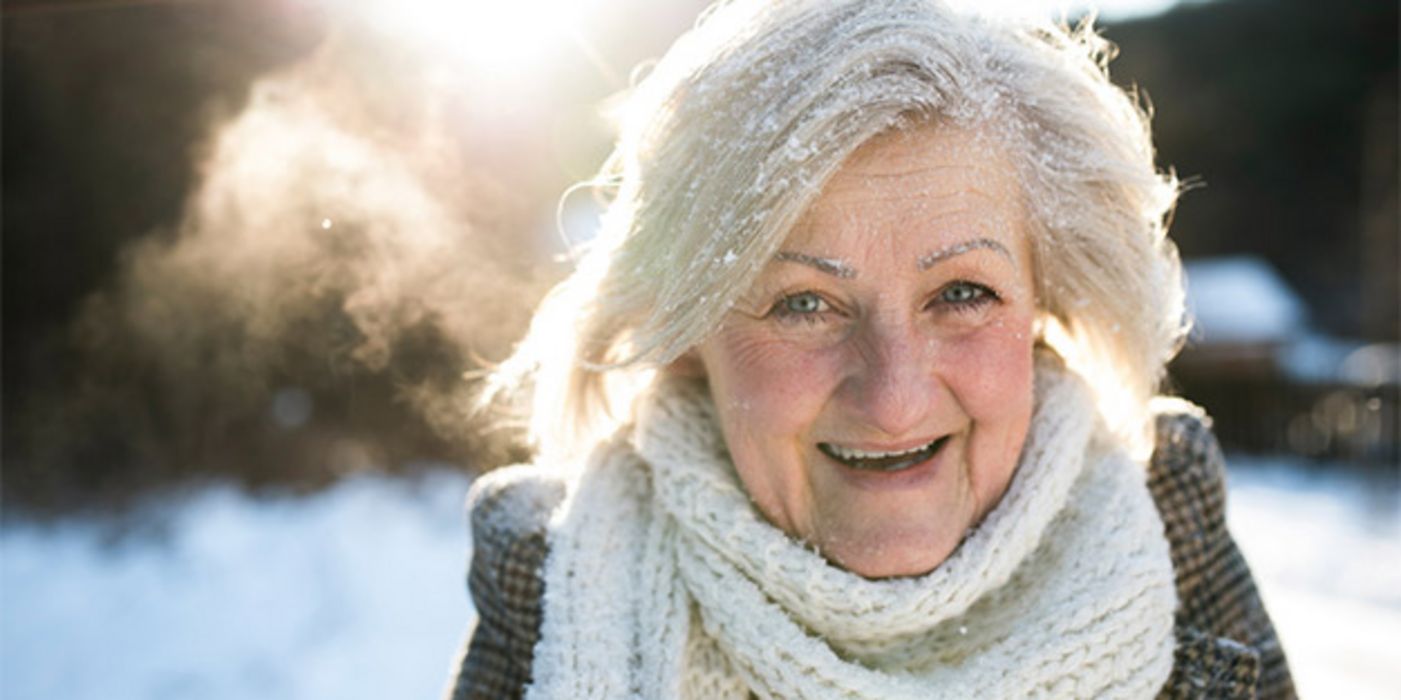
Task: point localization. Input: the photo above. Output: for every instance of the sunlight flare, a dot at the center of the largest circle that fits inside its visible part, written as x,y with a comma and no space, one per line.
498,40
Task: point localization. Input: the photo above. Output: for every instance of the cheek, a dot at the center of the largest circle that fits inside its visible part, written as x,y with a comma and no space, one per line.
990,370
768,395
991,373
770,380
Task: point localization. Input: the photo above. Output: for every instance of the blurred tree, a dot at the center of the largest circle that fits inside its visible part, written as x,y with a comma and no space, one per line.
1282,116
104,105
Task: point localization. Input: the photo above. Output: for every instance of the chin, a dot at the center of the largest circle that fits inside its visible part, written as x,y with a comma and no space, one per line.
889,556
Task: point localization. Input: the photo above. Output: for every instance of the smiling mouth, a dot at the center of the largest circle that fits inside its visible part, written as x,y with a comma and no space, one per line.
881,461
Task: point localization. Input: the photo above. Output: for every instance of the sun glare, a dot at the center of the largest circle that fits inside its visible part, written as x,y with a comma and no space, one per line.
495,40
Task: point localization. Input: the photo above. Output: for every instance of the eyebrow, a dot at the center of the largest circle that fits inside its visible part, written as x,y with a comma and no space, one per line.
841,270
947,252
836,268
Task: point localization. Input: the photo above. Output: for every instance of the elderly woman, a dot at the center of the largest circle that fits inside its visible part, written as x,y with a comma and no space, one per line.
852,396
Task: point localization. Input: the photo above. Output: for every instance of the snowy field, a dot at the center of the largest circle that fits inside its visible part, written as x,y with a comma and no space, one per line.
353,593
357,592
1326,550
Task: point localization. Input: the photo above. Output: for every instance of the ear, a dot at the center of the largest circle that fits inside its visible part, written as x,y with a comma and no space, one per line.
688,365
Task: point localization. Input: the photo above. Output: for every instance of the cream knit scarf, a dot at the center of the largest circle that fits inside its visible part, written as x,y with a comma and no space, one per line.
663,581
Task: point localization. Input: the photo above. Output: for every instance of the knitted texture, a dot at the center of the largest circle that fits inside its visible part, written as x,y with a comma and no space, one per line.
1226,645
663,580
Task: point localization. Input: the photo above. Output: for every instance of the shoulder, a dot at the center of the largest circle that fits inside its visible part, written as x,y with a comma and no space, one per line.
509,511
515,501
1186,476
1186,473
1225,641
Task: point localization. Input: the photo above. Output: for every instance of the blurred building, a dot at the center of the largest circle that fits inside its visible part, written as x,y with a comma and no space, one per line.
1272,380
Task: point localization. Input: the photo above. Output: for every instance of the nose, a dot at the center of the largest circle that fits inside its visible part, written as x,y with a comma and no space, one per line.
893,386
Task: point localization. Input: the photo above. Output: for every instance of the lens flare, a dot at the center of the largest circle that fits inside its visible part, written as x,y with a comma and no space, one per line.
497,41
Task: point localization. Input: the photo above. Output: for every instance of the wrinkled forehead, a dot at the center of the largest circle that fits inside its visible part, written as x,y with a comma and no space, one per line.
925,162
956,176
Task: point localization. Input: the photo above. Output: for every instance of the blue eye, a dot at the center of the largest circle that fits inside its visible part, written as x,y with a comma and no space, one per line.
965,294
800,305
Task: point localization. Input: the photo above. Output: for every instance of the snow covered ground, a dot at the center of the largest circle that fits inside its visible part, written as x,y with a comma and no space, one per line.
357,592
353,593
1326,550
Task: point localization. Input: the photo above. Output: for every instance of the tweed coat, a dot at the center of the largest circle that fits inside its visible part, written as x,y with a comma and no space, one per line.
1226,646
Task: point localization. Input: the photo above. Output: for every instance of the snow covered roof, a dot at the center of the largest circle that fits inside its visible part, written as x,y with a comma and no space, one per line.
1241,299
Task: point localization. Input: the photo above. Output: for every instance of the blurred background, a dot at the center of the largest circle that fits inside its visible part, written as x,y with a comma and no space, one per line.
255,249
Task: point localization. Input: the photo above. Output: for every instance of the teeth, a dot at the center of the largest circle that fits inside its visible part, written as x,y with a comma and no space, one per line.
881,461
849,453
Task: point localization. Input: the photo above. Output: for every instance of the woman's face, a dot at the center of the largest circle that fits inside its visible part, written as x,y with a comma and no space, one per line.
875,384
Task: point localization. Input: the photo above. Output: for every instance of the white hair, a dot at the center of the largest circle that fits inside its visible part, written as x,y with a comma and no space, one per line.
732,135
